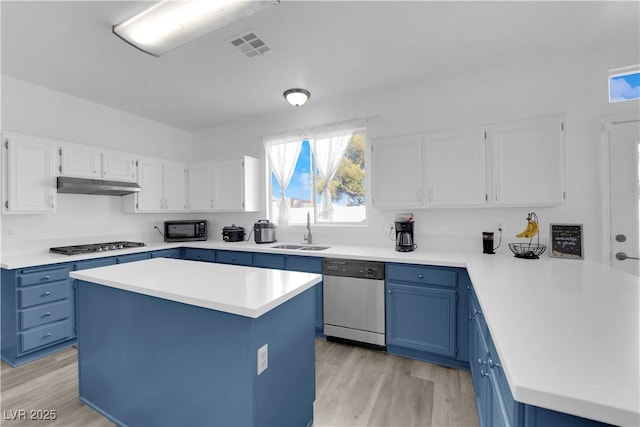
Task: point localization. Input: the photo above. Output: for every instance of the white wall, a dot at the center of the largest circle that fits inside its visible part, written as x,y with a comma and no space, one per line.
575,86
38,111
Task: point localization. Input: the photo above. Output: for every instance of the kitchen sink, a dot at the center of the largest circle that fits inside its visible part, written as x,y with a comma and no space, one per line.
314,248
301,247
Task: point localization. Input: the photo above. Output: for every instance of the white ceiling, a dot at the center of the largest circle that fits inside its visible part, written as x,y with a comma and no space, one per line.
332,48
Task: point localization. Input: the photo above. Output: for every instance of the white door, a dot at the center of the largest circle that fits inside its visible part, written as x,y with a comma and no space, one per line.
31,176
118,168
396,172
624,140
175,187
228,184
151,195
455,170
200,187
80,162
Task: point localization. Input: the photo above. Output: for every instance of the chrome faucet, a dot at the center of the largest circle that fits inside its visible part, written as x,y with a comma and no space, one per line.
308,238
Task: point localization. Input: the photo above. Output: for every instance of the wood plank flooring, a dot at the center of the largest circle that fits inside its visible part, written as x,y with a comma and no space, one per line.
354,387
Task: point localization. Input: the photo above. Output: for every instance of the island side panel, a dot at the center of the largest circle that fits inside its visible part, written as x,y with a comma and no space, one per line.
286,390
148,361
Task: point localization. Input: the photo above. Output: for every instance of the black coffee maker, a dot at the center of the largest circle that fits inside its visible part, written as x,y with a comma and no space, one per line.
404,232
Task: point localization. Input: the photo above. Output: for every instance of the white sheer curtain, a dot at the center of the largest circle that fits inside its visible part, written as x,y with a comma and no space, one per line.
283,152
329,145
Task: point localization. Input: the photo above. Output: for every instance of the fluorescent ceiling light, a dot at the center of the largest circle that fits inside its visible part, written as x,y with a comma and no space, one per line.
171,23
296,97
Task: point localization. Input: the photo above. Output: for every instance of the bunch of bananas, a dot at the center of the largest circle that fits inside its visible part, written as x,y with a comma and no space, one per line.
532,227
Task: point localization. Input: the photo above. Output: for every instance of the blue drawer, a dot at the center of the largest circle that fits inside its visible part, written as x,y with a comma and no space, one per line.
45,335
95,263
133,257
41,276
44,314
422,275
269,261
236,258
44,294
207,255
166,253
304,264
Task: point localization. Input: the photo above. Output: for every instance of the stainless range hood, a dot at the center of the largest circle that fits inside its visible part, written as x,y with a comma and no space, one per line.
96,186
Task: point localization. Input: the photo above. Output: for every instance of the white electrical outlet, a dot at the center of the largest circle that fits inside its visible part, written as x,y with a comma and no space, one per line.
263,358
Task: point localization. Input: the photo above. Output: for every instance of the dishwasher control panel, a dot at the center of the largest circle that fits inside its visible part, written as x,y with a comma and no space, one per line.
353,268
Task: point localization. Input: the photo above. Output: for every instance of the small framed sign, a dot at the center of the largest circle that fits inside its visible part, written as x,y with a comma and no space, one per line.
566,241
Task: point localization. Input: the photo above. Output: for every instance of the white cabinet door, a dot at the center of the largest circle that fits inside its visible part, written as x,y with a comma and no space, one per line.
31,175
455,168
200,186
396,172
528,164
151,196
80,162
228,184
117,167
174,187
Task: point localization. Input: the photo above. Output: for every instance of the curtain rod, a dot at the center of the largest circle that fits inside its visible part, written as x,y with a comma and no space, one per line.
308,130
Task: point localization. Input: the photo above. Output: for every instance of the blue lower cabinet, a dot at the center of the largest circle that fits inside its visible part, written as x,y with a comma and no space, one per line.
421,318
207,255
167,253
38,312
310,265
234,258
94,263
269,261
133,257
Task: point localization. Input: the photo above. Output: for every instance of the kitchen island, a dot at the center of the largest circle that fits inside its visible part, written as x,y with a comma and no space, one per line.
175,342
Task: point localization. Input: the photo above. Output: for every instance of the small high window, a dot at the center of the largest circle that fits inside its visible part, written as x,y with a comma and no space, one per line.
624,86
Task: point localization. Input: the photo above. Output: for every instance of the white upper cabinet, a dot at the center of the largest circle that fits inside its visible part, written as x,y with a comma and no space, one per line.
200,187
85,162
225,185
528,162
118,167
455,168
396,172
163,187
80,162
30,181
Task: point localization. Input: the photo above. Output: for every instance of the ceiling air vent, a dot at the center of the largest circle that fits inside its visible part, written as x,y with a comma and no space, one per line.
250,45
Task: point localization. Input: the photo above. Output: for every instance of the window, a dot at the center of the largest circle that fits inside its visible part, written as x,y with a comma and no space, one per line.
624,86
338,154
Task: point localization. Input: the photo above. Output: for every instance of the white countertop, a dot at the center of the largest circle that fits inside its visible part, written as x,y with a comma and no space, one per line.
245,291
567,331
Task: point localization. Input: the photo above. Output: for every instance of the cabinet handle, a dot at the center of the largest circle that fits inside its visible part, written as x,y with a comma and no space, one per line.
46,294
47,335
493,365
51,202
481,362
389,291
483,373
420,276
475,313
46,278
430,194
419,194
48,313
497,193
161,204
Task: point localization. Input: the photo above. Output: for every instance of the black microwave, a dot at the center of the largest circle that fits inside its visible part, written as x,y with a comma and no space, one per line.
185,231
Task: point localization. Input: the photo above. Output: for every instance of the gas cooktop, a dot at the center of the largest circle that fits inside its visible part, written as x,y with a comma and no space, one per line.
94,247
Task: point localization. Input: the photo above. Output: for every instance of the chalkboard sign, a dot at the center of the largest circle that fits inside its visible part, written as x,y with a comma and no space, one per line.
566,241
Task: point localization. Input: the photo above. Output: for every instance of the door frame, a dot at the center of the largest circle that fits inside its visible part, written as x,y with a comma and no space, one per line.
605,127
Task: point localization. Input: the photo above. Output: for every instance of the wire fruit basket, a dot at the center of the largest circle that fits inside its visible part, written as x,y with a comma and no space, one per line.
527,250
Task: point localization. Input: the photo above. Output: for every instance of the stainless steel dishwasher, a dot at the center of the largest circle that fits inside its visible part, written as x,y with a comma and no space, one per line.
353,296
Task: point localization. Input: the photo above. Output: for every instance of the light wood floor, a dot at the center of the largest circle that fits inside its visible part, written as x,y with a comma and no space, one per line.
354,387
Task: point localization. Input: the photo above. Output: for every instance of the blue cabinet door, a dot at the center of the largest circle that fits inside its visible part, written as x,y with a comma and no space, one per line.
133,257
208,255
421,318
269,261
235,258
310,265
94,263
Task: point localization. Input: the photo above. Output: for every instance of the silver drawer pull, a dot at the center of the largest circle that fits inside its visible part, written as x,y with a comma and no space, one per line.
420,276
48,313
493,365
47,335
483,373
481,362
46,278
46,294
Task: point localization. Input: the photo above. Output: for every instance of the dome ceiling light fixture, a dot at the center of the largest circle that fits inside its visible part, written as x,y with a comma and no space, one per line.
296,97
